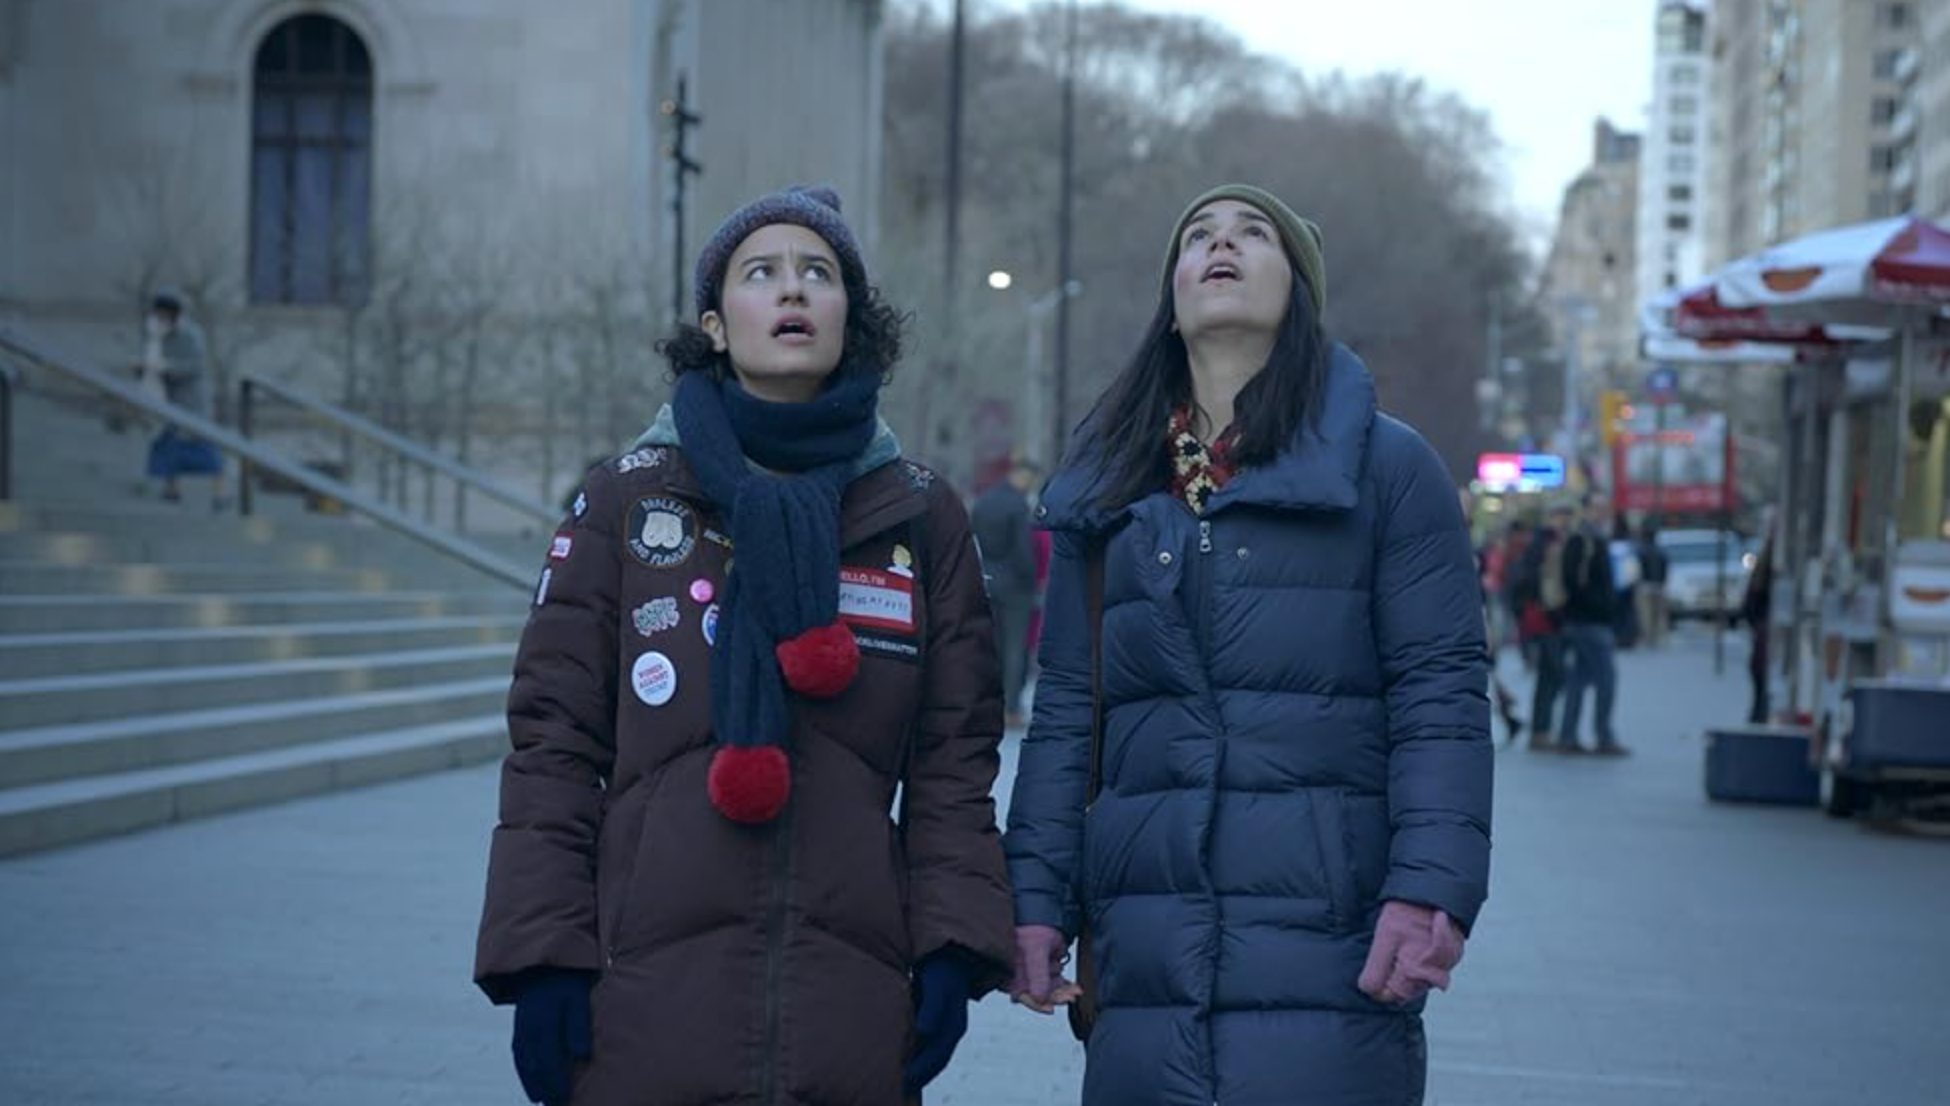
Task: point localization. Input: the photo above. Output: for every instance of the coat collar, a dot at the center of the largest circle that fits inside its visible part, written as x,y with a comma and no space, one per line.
884,449
876,500
1319,471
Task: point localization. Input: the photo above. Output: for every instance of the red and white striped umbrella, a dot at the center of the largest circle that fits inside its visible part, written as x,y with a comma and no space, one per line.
1872,274
1691,324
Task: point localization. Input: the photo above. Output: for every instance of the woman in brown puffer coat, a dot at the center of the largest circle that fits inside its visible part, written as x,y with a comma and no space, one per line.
754,632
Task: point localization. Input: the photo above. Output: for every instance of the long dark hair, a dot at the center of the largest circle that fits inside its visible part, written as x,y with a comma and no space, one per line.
1123,436
872,343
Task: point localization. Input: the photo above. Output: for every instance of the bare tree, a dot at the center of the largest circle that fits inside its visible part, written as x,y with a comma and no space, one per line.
164,216
1403,181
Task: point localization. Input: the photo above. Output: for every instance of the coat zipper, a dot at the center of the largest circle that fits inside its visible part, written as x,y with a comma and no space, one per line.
1202,597
775,954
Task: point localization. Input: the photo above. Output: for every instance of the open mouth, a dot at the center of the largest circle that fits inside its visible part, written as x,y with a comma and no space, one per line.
1223,270
793,326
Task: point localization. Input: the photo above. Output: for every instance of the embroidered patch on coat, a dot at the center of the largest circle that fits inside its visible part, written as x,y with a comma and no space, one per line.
648,457
921,478
656,616
662,533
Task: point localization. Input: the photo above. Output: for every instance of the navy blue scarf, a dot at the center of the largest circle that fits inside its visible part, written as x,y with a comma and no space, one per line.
785,528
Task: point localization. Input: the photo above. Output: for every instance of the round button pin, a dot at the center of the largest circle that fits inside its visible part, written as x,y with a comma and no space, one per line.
654,678
702,590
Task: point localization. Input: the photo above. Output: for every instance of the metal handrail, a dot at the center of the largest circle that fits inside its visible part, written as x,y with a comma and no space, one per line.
13,343
358,425
6,432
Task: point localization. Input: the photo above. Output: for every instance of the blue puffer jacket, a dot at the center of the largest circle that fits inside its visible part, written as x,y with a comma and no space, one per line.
1296,730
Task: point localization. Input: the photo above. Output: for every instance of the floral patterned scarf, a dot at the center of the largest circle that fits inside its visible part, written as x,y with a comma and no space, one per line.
1198,470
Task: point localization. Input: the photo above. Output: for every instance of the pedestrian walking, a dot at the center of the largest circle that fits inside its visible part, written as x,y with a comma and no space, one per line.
1538,594
1257,776
753,630
175,367
1655,617
1590,608
1757,611
1001,520
1490,568
1516,550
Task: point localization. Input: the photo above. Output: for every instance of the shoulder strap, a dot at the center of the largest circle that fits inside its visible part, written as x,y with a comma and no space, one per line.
1094,576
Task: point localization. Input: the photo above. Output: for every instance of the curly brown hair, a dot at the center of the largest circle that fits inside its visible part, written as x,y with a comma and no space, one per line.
874,331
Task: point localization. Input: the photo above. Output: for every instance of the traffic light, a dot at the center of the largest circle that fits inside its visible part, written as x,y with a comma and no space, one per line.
1611,416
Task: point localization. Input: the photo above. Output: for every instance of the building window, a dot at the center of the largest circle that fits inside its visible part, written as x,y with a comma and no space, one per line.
1883,110
1679,193
1695,35
1685,74
1882,205
1883,158
1679,222
311,163
1685,105
1893,17
1682,136
1885,64
1680,163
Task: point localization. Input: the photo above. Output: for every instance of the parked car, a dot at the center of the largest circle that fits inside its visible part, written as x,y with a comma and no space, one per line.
1693,580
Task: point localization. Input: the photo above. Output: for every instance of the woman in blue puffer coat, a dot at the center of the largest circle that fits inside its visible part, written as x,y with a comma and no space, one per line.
1292,832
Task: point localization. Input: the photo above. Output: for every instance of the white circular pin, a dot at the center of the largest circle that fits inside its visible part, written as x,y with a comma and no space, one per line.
654,678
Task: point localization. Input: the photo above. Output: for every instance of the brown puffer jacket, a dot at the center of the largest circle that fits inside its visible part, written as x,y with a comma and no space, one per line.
742,964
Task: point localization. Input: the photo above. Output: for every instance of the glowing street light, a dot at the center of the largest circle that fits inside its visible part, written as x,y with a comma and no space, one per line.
1000,280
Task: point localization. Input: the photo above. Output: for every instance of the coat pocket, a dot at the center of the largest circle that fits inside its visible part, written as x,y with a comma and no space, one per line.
1336,858
616,862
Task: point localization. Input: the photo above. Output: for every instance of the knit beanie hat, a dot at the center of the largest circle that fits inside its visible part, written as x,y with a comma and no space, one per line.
815,207
1300,236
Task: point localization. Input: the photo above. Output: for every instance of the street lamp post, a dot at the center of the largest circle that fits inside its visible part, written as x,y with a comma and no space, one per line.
1577,312
1039,430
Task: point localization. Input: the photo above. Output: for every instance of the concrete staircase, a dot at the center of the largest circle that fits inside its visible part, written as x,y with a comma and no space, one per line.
159,661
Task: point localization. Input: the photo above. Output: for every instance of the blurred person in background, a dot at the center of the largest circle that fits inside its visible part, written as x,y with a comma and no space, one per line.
701,888
175,368
1625,583
1491,563
1757,610
1537,592
1655,618
1275,836
1591,602
1001,521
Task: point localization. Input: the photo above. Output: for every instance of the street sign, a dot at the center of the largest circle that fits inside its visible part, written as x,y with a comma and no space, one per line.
1519,472
1661,384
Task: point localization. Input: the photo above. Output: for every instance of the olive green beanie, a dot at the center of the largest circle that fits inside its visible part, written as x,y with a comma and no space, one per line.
1300,236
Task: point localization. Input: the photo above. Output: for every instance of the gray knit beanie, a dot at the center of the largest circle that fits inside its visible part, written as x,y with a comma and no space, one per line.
815,207
1300,236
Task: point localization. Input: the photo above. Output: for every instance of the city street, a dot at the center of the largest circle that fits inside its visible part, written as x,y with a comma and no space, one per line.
1641,947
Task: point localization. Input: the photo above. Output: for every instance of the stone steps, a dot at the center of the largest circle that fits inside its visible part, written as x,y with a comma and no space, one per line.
25,656
148,692
59,613
51,753
80,809
160,661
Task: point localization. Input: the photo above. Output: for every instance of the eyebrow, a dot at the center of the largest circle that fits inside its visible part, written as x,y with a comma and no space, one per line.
774,258
1207,217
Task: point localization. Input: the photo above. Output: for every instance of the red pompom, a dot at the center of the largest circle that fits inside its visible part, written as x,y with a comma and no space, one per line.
749,785
821,662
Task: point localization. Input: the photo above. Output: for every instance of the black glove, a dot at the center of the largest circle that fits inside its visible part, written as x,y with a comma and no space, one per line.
551,1032
942,983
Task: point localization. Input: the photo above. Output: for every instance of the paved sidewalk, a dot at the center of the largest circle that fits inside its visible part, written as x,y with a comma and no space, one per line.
1641,948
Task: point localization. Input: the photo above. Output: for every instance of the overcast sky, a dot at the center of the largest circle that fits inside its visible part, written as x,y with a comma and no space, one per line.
1542,69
